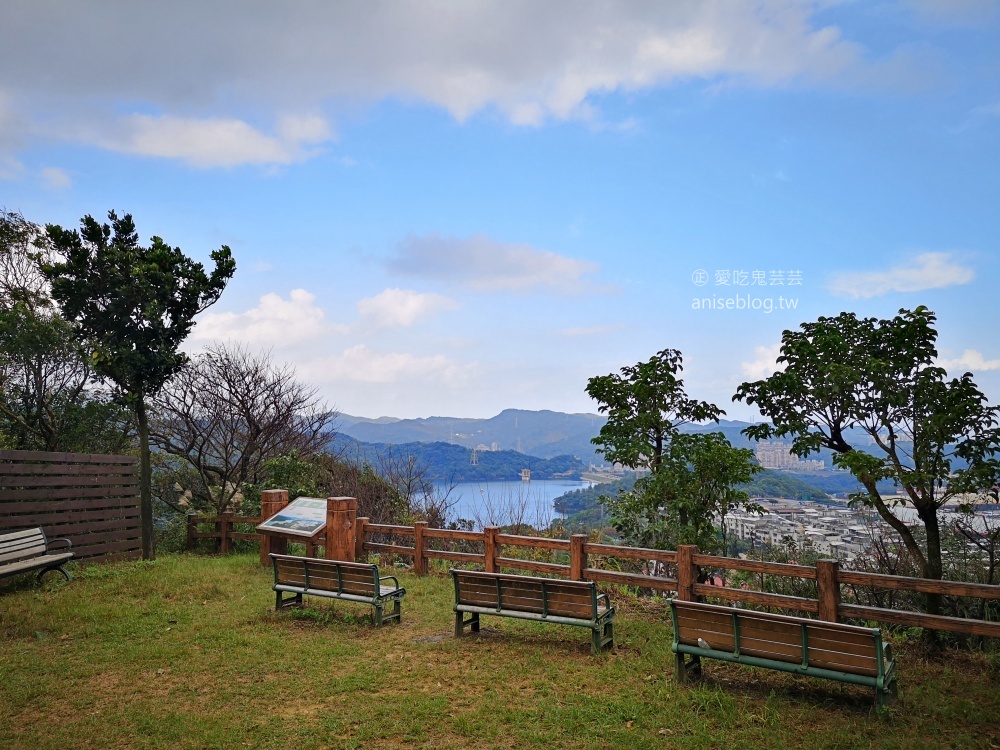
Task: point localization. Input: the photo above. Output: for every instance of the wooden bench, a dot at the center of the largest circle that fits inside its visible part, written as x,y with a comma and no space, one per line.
791,644
28,549
529,598
353,582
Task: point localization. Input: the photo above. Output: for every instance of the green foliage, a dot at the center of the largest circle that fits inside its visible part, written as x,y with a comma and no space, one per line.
50,400
588,498
931,436
132,306
49,397
445,462
645,404
697,480
770,483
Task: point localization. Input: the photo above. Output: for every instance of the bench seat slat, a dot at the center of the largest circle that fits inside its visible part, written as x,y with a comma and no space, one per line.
27,549
354,582
531,598
835,651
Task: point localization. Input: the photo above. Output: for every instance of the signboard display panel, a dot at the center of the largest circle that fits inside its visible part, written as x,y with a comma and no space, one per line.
304,516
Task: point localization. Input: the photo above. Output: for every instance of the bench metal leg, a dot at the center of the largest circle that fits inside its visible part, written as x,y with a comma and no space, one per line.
461,622
685,670
379,619
43,571
281,603
602,637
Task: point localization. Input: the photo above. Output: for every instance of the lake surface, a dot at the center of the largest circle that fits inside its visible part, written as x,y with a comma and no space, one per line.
504,503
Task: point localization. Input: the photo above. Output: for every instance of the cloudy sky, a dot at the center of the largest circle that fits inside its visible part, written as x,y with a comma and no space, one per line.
452,208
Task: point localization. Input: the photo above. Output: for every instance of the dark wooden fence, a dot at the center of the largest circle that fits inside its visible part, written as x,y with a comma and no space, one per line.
681,572
686,572
92,500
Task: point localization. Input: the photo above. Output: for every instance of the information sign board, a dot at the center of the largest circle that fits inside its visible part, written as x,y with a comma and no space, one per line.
304,516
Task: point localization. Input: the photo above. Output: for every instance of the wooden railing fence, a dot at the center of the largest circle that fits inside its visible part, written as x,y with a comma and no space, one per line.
690,568
93,500
685,572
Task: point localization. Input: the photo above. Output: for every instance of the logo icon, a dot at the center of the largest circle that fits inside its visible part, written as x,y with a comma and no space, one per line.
700,277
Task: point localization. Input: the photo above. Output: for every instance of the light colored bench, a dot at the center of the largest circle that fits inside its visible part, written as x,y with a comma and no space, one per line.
816,648
529,598
28,549
333,579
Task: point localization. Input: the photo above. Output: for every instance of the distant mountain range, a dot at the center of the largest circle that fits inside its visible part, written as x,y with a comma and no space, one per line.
545,434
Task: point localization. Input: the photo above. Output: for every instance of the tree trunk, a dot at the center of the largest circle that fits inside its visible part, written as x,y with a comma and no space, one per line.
145,477
933,567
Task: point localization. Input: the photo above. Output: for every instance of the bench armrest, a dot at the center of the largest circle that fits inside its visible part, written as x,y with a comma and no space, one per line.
69,544
607,602
390,578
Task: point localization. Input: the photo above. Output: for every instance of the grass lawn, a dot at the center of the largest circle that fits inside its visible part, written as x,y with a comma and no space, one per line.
187,652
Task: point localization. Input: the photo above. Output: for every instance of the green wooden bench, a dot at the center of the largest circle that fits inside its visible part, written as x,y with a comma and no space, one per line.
349,581
28,549
529,598
816,648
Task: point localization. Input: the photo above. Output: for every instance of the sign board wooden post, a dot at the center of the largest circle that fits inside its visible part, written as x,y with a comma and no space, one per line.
302,520
341,521
272,501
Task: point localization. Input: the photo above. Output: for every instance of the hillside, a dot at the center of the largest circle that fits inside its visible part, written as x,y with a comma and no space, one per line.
545,434
453,463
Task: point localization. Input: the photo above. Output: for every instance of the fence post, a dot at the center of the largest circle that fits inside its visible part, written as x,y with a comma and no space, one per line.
419,561
271,501
192,529
224,527
341,521
828,589
578,557
359,538
687,571
490,547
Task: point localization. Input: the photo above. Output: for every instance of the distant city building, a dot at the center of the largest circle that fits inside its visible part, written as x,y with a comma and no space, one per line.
775,455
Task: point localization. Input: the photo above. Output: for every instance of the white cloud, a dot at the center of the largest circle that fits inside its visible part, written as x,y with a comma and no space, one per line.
55,178
485,264
275,321
926,271
971,360
764,363
216,142
533,62
361,364
402,307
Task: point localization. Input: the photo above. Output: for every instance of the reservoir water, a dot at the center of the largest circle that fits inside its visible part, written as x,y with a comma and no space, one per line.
503,503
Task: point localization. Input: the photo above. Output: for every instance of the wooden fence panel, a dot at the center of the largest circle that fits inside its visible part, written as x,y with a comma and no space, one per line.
92,500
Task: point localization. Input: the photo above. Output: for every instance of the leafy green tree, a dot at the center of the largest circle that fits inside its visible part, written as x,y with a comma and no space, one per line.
932,437
132,306
50,398
691,476
646,405
697,480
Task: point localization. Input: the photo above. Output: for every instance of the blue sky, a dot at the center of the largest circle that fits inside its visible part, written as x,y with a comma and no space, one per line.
443,208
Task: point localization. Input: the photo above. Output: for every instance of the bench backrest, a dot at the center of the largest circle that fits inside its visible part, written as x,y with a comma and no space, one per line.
794,640
318,574
551,597
22,545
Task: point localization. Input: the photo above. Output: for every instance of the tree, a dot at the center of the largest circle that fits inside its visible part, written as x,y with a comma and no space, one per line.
132,306
849,381
697,480
646,405
227,413
50,398
691,476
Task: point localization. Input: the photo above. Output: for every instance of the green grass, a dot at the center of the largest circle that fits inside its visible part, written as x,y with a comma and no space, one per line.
187,652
